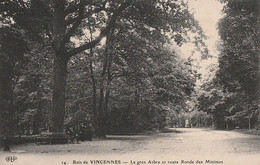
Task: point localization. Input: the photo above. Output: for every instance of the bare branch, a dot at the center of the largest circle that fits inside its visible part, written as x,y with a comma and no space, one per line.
76,24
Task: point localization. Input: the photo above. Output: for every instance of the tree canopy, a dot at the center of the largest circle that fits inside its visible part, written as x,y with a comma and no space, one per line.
234,91
109,59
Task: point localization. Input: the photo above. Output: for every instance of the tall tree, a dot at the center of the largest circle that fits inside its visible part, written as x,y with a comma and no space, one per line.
239,57
65,23
232,95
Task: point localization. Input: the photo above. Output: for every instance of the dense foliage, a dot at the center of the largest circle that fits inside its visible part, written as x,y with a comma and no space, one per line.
12,58
110,61
232,96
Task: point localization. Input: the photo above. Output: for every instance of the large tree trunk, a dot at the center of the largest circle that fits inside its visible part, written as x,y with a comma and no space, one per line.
59,92
60,66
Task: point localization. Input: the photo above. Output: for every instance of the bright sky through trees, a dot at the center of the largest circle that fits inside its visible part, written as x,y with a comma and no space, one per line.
208,13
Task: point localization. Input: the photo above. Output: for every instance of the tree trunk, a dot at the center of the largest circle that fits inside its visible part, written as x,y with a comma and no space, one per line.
212,120
101,123
107,94
3,124
59,93
249,123
60,66
1,97
227,125
10,108
101,116
94,92
94,85
109,79
6,103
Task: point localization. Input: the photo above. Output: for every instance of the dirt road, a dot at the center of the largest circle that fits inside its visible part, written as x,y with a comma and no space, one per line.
183,146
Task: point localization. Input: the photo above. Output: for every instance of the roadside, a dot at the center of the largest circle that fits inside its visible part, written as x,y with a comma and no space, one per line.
175,141
189,144
247,131
113,144
244,131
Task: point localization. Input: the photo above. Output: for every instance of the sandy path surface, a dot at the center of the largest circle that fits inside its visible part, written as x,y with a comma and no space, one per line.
189,146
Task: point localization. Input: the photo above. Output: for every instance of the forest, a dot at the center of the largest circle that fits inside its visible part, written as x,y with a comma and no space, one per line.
112,65
231,93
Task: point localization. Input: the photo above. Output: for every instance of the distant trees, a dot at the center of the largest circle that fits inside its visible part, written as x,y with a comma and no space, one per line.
211,99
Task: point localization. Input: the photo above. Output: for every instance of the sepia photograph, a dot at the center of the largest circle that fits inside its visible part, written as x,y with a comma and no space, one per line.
129,82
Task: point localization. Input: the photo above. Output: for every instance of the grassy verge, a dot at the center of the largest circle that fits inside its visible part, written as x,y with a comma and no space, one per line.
247,131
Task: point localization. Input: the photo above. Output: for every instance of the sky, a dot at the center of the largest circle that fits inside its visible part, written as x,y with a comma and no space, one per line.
208,13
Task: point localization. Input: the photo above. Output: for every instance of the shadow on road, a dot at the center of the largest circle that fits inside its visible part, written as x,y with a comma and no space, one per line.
171,130
128,137
143,136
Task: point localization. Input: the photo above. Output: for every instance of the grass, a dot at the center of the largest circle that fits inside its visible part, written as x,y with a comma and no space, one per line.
247,131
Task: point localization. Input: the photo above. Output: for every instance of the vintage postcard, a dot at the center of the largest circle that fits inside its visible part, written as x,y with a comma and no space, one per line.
129,82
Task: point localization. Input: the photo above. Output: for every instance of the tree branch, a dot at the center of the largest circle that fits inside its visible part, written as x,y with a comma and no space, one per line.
74,8
104,32
22,3
96,10
72,20
76,24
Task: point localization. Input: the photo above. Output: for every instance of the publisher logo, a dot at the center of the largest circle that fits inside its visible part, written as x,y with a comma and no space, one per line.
10,158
